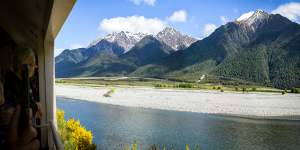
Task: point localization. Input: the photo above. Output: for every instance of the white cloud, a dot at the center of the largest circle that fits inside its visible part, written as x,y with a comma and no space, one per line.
289,10
147,2
178,16
208,29
223,19
57,51
75,46
245,16
132,24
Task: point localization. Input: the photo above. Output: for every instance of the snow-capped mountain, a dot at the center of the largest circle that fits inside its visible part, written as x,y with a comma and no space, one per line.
253,19
127,40
174,38
251,49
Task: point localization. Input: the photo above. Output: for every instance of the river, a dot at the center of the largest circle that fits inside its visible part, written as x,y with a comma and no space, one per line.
114,127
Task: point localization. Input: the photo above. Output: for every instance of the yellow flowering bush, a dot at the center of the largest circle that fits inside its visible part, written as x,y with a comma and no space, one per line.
73,135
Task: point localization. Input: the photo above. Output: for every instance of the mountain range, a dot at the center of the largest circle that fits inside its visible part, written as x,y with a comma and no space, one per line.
263,48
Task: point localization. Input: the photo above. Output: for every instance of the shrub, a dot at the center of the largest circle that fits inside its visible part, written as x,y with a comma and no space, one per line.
187,147
283,92
236,89
222,90
158,85
109,93
197,147
295,90
185,85
164,147
244,89
214,87
161,85
254,89
219,88
73,134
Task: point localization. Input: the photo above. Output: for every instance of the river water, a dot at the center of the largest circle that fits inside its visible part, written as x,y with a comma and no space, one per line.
115,127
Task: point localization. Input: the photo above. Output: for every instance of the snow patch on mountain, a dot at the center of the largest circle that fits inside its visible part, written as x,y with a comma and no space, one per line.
245,16
127,40
175,39
253,20
253,17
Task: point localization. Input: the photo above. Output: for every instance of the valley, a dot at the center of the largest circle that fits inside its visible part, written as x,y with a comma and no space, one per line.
262,49
212,76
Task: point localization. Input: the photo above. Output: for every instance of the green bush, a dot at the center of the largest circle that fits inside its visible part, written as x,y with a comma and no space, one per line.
161,85
222,90
73,135
295,90
283,92
254,89
219,88
185,85
157,85
164,147
109,93
236,89
214,88
244,89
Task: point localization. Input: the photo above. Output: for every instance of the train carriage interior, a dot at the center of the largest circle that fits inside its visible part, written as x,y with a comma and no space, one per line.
27,33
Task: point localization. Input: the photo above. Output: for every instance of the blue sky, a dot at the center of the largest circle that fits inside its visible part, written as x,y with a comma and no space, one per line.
90,19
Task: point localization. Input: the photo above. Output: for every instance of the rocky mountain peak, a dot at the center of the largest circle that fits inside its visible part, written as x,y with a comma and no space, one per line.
258,16
169,30
174,38
127,40
253,19
124,39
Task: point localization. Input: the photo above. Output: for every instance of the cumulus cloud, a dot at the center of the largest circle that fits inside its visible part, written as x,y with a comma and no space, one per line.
147,2
208,29
132,24
178,16
289,10
245,16
223,19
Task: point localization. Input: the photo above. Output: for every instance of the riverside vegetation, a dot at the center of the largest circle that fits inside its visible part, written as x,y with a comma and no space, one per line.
73,135
177,84
109,93
163,147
